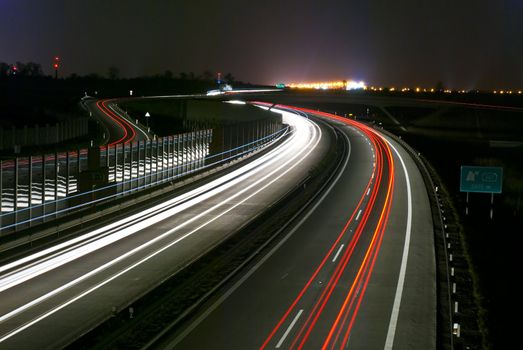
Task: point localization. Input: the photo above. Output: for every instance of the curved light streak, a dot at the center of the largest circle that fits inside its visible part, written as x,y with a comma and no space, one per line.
288,155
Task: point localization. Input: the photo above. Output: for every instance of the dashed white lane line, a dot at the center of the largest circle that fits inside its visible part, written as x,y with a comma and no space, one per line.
358,216
338,253
289,329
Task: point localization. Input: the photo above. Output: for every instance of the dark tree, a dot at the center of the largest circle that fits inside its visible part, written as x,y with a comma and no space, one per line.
93,76
20,68
168,74
229,78
207,75
183,76
4,69
113,73
31,69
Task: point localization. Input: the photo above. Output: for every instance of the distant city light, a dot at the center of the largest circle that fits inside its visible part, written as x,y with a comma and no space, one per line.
361,85
330,85
356,85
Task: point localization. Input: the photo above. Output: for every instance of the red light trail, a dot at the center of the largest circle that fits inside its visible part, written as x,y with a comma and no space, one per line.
381,185
128,130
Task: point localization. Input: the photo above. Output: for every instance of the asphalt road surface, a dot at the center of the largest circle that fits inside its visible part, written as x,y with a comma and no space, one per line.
357,271
52,297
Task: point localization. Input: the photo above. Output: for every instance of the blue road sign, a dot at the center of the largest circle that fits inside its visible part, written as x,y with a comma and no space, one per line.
481,179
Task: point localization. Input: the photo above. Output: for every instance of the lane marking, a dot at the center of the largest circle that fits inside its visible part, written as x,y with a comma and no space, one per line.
358,216
289,329
401,279
253,269
368,191
338,253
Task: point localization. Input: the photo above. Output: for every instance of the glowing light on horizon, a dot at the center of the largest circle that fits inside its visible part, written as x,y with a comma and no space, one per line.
356,85
330,85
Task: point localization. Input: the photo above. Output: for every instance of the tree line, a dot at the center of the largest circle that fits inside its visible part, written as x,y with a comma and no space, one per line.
34,70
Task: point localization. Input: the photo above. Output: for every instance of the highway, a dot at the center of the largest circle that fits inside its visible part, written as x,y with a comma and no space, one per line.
51,297
120,130
357,270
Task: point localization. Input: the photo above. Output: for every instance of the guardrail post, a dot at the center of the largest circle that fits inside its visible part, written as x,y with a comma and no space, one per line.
1,190
107,155
142,163
183,148
200,148
56,170
147,162
30,190
160,167
78,160
15,199
116,166
43,187
165,158
131,166
177,152
172,152
67,174
192,154
124,167
169,157
157,162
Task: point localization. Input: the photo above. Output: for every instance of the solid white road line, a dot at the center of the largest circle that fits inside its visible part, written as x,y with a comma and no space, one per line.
338,253
289,329
401,279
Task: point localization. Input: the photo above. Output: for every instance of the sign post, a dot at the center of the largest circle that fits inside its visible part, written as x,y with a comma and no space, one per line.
481,179
147,116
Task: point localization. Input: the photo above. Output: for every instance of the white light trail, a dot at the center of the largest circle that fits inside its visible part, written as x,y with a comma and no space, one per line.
52,258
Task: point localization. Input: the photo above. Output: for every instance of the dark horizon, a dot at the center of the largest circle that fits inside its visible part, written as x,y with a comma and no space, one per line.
473,44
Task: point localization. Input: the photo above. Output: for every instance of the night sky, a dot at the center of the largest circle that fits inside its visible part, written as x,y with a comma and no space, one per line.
462,43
